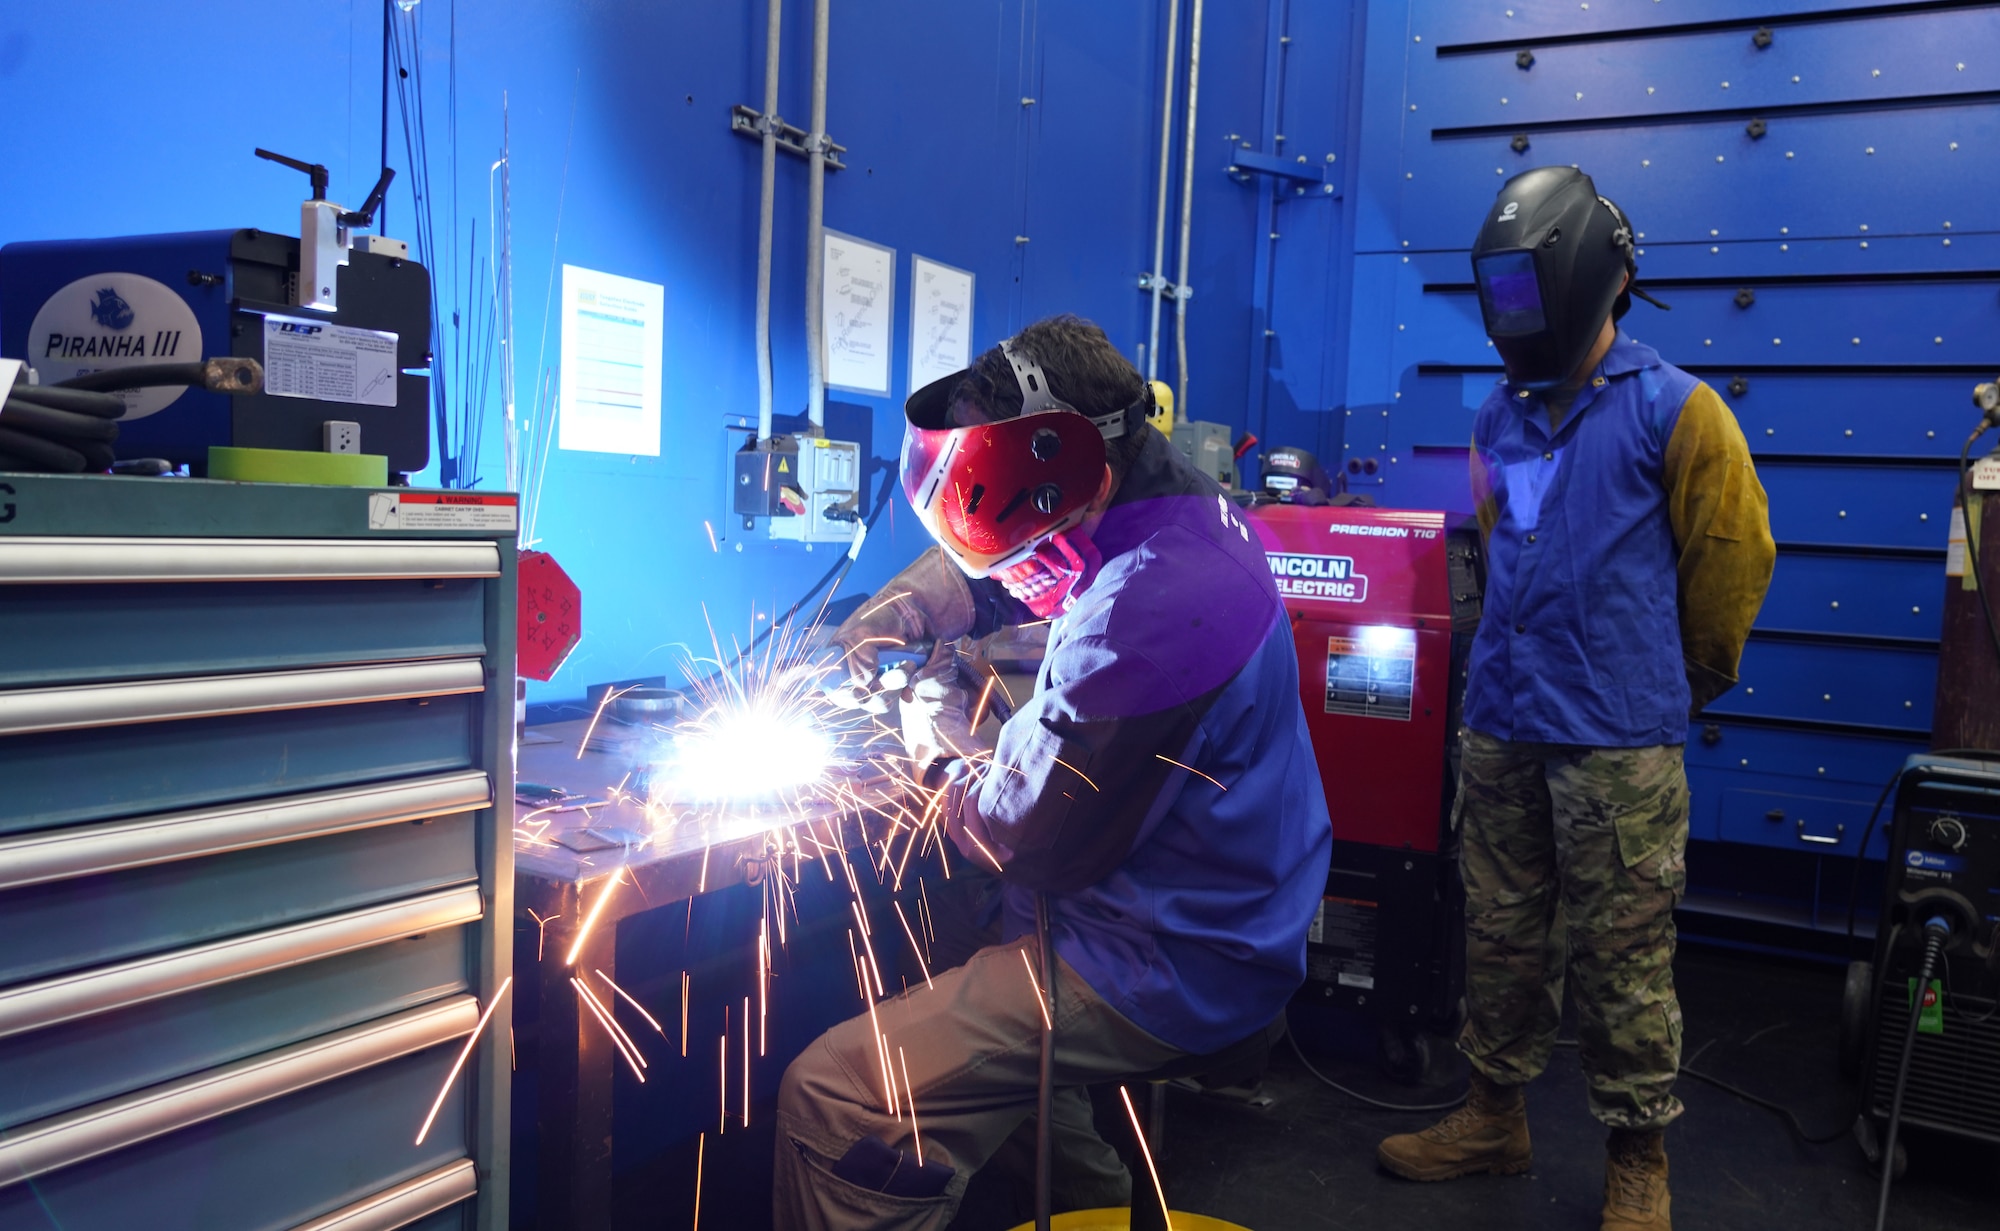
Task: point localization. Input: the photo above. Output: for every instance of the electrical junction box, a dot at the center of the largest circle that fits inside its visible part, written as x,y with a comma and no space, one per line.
74,306
809,486
830,485
1207,446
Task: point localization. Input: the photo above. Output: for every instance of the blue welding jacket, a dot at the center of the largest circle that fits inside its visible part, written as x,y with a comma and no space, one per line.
1183,902
1580,641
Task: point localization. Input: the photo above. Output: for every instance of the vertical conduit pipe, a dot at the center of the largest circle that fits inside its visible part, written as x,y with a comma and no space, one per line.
1166,180
766,217
816,227
1187,216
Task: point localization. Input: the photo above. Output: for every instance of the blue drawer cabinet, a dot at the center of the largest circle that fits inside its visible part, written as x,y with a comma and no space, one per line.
252,877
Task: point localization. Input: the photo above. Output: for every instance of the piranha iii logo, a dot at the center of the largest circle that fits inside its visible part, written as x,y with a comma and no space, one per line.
109,310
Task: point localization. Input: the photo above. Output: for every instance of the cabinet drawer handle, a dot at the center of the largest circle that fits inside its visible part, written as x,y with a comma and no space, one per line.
1839,832
67,561
90,850
105,989
73,1137
28,710
404,1203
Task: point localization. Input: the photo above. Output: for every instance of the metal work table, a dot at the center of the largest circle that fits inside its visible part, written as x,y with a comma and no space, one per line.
567,887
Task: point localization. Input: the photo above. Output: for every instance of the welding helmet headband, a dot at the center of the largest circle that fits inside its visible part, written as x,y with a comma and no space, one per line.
991,493
1550,265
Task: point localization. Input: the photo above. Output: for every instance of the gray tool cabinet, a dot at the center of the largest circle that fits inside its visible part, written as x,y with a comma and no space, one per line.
253,886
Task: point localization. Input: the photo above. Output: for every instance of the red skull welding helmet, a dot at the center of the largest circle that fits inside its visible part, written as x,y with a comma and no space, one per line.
990,493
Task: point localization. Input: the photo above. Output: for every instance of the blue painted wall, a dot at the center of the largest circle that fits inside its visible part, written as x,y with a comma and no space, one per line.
1864,221
130,119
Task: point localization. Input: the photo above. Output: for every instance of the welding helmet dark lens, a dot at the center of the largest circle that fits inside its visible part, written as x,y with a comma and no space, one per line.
1510,296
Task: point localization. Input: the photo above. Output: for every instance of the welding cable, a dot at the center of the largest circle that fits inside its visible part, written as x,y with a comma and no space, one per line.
1937,933
25,414
75,401
833,576
41,454
1356,1095
140,376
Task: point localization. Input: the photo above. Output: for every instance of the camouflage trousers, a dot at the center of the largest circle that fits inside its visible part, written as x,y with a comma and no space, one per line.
1574,859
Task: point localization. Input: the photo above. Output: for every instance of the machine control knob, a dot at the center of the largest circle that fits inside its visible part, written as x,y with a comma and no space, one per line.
1948,832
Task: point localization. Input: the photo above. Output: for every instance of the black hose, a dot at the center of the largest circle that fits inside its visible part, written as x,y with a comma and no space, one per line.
1936,933
28,415
141,376
77,401
1045,1092
41,454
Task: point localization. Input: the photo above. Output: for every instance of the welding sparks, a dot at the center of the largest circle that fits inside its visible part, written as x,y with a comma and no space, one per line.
912,1094
459,1063
684,1014
914,948
700,1148
619,1038
1035,983
1146,1150
590,920
884,603
711,536
1191,769
627,997
541,937
746,1062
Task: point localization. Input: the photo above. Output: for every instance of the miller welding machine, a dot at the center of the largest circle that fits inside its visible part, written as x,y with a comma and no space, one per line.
1383,604
1940,918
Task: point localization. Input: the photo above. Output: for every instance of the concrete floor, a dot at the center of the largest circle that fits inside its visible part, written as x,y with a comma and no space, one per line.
1307,1158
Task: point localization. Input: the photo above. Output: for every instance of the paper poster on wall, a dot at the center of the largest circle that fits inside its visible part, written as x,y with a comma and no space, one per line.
857,305
611,337
940,321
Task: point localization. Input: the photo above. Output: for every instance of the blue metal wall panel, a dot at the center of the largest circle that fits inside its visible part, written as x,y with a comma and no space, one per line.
1871,506
1849,62
1854,596
1828,682
1448,22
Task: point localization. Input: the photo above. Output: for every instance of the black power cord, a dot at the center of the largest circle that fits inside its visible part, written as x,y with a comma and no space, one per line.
1937,933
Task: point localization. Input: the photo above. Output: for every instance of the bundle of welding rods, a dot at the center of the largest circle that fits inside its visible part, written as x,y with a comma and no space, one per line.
64,431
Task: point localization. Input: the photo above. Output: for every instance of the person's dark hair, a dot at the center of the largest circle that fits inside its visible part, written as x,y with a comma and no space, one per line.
1084,370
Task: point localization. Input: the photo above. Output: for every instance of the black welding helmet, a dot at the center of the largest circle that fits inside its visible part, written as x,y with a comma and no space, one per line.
1550,264
1290,473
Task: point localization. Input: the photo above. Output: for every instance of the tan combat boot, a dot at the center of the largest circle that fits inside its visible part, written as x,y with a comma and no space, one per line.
1635,1182
1488,1134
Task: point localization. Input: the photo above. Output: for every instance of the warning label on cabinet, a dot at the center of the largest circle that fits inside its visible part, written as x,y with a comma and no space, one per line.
1343,938
1372,674
441,511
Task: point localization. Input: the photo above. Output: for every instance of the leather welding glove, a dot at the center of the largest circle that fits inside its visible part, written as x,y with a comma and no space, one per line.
936,724
926,602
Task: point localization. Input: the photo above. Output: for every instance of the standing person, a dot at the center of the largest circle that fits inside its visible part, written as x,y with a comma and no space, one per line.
1159,789
1628,552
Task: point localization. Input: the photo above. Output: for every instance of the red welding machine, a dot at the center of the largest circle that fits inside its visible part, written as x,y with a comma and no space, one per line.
1383,604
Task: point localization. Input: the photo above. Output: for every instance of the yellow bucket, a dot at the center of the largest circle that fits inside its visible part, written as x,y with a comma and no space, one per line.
1121,1220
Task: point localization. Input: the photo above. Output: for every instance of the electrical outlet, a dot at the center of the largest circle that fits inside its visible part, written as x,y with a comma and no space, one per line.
342,436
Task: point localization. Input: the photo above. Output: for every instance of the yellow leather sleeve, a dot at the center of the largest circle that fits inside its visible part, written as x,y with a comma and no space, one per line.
1722,527
1484,507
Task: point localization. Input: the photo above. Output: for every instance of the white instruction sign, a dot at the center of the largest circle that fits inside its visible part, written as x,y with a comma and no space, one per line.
442,511
612,331
857,302
1986,473
328,362
940,321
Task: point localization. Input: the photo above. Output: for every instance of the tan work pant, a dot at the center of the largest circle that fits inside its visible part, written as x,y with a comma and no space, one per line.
973,1047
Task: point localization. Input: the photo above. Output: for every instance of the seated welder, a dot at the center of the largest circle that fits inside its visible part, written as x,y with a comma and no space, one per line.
1158,793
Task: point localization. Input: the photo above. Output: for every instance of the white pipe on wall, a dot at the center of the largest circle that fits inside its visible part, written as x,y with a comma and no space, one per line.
1166,179
766,218
816,225
1187,215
